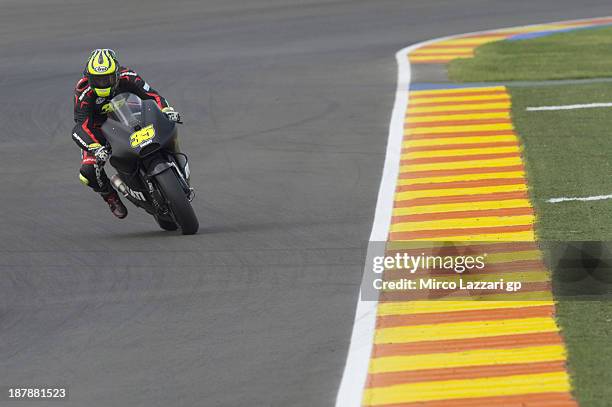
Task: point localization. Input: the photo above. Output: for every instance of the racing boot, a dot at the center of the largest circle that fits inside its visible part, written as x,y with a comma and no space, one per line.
114,203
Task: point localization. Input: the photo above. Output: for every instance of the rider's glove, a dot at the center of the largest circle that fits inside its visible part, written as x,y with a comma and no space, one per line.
102,155
171,114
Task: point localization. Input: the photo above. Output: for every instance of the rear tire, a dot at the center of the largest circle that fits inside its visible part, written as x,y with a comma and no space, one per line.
177,200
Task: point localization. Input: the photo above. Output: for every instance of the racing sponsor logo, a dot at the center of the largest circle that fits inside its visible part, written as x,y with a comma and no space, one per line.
107,108
79,140
135,194
85,92
100,100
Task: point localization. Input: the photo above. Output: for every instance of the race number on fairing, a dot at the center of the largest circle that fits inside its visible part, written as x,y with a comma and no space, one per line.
139,137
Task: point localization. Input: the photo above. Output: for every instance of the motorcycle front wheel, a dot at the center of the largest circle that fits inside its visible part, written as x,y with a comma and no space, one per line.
178,202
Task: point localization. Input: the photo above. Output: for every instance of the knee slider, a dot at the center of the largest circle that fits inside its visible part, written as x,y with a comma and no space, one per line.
87,176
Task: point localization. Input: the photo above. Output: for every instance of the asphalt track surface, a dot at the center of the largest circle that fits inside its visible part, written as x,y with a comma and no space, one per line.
286,107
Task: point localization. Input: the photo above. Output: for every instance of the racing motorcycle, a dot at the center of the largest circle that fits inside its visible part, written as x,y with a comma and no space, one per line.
151,172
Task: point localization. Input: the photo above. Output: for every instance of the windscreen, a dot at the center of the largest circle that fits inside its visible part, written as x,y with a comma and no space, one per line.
127,109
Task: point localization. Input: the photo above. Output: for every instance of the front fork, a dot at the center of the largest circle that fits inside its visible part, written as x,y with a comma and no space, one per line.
181,159
170,164
182,169
181,165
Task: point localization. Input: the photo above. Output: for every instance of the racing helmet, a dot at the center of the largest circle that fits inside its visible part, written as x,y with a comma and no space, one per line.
102,71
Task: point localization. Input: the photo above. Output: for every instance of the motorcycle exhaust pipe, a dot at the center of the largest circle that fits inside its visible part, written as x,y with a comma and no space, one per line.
119,185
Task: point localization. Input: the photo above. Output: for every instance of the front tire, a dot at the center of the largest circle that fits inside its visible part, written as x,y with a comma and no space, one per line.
177,200
166,223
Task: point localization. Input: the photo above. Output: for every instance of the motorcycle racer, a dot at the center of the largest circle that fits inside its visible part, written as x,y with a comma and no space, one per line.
103,78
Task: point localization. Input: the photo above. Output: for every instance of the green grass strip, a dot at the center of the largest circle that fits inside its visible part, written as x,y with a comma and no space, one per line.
570,55
567,153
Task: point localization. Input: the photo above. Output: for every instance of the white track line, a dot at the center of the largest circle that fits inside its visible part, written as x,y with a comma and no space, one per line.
568,107
587,198
355,373
358,359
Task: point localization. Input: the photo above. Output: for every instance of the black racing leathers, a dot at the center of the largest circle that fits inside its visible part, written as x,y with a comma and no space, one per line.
90,112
